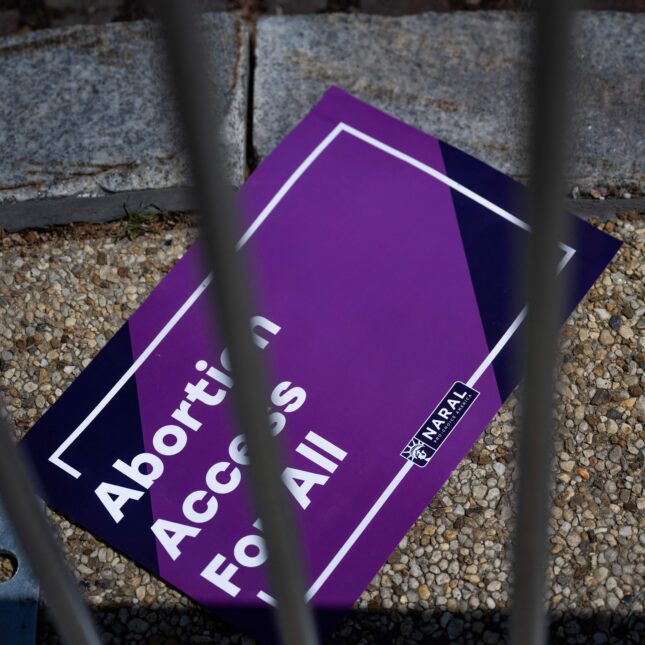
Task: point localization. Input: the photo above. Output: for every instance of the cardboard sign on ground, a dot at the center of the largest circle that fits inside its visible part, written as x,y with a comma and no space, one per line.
390,316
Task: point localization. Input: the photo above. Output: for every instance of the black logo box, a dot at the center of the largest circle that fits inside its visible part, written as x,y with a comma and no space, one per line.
440,423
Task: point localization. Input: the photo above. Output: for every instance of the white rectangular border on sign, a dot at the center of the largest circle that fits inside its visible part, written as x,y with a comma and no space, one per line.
569,252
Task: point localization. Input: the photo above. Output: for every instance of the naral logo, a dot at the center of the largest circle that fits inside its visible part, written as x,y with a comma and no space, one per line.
439,424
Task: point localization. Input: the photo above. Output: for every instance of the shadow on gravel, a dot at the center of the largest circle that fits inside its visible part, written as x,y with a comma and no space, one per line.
192,624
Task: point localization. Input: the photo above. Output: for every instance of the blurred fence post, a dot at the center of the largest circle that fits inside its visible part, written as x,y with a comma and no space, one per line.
71,616
232,307
546,217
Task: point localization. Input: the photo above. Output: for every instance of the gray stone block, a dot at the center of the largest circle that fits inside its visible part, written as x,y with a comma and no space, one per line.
83,108
461,77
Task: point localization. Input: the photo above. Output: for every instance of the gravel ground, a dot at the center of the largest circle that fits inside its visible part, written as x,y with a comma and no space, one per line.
7,568
64,293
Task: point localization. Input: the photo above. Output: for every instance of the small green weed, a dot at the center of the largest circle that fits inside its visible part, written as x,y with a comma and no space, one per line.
139,221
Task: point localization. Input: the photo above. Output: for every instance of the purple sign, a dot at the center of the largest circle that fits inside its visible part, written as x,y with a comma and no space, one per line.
391,322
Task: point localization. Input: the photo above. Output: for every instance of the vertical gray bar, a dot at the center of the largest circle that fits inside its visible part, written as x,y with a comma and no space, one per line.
546,216
19,595
232,307
70,614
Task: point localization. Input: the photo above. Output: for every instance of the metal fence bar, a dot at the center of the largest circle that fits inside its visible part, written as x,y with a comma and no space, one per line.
71,616
232,307
546,216
19,595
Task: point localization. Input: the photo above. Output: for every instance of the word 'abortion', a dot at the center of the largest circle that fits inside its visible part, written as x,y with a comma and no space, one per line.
201,505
